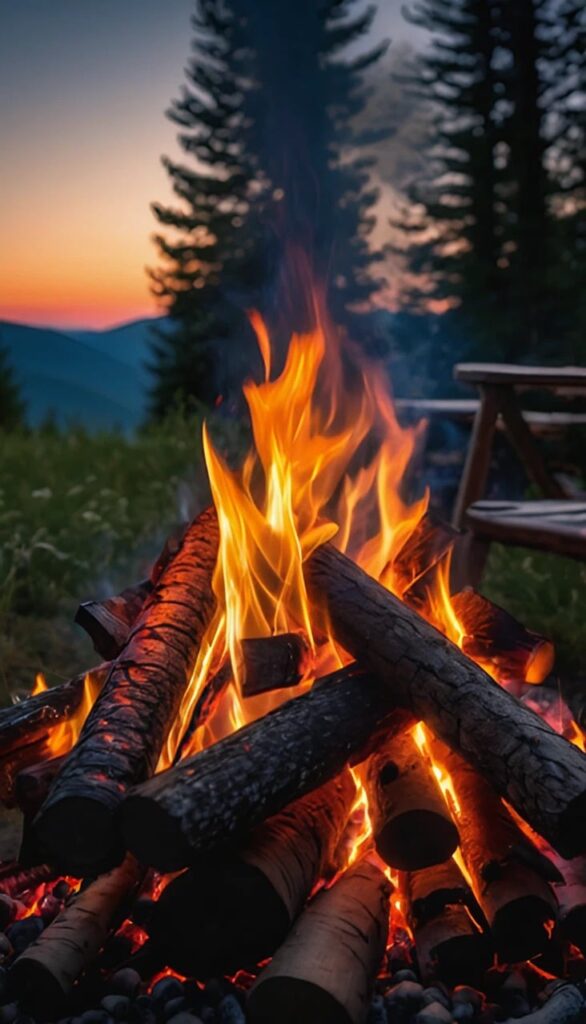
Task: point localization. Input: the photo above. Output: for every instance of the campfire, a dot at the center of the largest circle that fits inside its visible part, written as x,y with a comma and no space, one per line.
307,783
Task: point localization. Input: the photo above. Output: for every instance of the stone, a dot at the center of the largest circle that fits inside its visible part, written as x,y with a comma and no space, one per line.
116,1005
407,996
434,994
125,982
166,989
23,932
230,1011
434,1013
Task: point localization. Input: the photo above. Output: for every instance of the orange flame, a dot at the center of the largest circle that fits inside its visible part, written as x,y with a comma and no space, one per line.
40,685
64,736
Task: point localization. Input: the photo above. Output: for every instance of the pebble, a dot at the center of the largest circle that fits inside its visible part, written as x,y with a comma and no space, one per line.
434,1013
49,908
96,1017
166,989
230,1011
463,1012
5,947
116,1005
407,996
23,932
125,982
142,1011
174,1006
467,994
377,1013
8,1013
433,994
404,975
185,1018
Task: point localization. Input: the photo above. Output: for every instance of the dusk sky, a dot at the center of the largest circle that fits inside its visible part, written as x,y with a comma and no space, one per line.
84,85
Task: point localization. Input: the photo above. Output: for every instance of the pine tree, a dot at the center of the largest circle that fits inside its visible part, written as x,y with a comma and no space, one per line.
12,407
452,230
486,240
269,115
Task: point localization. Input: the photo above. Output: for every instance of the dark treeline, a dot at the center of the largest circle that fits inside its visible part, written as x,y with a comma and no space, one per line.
495,229
276,167
280,150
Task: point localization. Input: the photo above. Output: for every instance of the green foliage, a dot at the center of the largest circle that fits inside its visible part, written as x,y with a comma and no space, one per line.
11,404
268,118
545,593
83,516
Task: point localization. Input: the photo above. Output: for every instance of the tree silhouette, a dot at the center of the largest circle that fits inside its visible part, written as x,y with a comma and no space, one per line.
12,407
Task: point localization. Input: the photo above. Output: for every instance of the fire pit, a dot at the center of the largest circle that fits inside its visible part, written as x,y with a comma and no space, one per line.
308,783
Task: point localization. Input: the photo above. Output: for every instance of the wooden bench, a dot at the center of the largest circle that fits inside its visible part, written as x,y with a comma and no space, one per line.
463,410
556,524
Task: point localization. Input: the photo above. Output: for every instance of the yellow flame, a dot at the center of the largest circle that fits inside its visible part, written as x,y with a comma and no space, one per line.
65,734
40,685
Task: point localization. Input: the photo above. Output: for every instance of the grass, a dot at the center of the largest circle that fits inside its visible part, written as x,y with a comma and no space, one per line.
82,516
546,593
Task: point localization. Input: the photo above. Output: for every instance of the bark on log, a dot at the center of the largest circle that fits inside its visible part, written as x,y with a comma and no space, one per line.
411,823
540,773
45,973
14,880
506,868
34,782
25,727
108,623
124,733
324,972
446,923
496,638
218,795
245,903
566,1005
272,663
424,548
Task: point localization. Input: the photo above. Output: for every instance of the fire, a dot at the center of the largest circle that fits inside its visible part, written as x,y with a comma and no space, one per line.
40,685
328,463
63,737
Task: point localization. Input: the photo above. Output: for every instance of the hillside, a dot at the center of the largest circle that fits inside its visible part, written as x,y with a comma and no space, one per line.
98,379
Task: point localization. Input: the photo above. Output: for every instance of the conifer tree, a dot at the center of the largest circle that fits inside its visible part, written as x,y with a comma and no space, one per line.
11,405
268,114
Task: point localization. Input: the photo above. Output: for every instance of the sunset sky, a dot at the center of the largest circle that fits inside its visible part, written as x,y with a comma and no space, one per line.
84,85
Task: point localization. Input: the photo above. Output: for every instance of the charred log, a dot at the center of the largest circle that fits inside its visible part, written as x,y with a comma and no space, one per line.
446,923
124,733
25,727
109,622
496,638
45,973
325,970
429,542
272,663
216,796
411,823
246,902
572,899
33,783
15,879
540,773
510,876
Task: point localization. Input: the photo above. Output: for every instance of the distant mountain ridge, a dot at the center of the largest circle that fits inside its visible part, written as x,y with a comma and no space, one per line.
97,379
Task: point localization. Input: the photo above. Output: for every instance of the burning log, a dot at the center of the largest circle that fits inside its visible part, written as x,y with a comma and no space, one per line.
26,727
33,783
326,968
272,663
218,795
428,543
124,733
572,899
510,876
245,902
45,973
444,918
15,880
109,622
495,637
411,823
540,773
